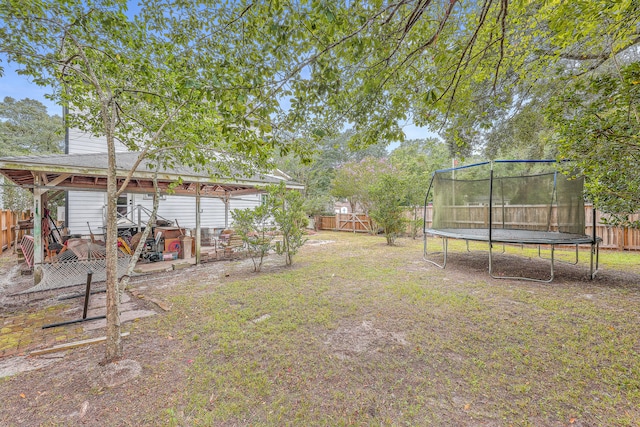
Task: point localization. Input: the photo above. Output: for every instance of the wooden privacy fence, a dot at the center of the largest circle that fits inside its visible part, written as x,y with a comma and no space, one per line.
620,238
355,223
8,222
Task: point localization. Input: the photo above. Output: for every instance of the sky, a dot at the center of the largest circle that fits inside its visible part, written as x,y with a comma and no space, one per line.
20,87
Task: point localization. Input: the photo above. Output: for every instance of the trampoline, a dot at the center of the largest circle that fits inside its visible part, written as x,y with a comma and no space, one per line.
522,202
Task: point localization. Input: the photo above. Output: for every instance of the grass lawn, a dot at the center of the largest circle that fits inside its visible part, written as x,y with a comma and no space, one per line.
359,333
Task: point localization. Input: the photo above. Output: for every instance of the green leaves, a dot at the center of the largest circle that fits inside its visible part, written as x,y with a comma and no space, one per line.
387,197
598,126
27,128
283,212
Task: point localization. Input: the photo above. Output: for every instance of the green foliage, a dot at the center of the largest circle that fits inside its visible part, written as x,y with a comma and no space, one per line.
283,213
14,198
257,230
318,205
416,223
353,180
598,124
26,129
416,160
287,210
387,196
329,155
481,71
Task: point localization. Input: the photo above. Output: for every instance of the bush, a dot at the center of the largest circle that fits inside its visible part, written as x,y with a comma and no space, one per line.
287,209
387,196
283,212
256,228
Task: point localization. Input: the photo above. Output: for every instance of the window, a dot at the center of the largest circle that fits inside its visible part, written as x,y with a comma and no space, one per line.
149,196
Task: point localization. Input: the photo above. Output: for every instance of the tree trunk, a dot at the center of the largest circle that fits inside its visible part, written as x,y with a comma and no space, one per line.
114,342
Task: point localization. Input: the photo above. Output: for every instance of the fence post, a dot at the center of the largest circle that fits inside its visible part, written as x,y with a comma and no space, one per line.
3,229
625,238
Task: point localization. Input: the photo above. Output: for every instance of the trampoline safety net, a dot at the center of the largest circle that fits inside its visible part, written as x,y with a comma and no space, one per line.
538,202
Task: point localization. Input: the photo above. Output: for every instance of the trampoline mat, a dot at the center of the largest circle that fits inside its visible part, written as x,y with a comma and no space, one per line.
502,235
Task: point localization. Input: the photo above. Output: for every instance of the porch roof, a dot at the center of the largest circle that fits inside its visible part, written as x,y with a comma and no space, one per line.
89,172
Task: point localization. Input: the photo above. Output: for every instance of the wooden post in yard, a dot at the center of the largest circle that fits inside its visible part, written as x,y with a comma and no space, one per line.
38,211
226,210
198,237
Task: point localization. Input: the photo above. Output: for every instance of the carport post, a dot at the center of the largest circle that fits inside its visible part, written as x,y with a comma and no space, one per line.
38,249
226,210
198,238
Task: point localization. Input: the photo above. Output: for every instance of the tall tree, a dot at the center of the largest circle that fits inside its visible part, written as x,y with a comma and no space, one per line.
187,83
329,153
598,123
479,72
416,160
26,128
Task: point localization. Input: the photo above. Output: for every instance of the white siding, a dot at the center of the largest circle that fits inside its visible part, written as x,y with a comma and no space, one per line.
246,202
86,206
83,143
183,208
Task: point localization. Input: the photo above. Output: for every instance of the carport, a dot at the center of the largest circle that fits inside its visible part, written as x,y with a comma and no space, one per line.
88,172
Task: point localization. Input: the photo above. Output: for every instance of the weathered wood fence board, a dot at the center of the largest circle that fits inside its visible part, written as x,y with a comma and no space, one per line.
8,222
326,222
513,216
355,223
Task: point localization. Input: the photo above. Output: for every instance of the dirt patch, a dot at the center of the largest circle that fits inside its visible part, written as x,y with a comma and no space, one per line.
319,242
363,338
14,365
118,373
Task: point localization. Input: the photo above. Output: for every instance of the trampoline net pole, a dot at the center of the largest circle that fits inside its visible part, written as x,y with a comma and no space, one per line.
490,203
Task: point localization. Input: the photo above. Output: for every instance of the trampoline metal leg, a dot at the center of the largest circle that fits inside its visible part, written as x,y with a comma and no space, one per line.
531,279
595,247
568,262
445,250
490,261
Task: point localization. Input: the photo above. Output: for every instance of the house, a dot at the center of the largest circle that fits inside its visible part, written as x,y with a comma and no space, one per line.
191,198
341,207
85,210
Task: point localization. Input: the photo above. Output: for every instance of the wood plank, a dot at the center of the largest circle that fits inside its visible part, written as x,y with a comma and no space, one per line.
58,180
68,346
